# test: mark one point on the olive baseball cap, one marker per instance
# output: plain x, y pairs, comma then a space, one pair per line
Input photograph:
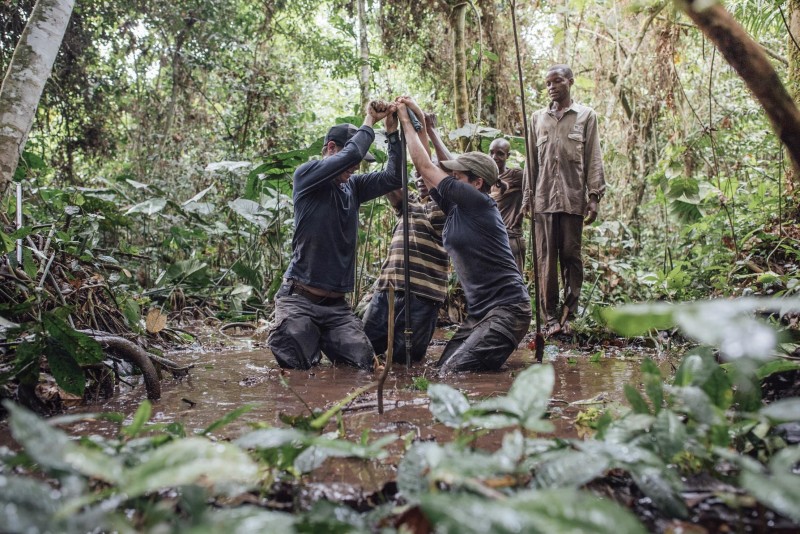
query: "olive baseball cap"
341, 134
478, 163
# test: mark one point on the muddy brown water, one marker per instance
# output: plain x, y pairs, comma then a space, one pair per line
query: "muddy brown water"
223, 380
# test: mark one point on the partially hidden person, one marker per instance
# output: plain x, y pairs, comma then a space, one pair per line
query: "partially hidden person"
507, 192
312, 316
428, 268
475, 238
569, 180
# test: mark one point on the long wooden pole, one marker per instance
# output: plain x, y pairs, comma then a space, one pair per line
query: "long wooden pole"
529, 165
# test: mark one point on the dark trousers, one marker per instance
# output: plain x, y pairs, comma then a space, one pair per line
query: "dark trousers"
423, 322
304, 329
486, 344
518, 250
558, 243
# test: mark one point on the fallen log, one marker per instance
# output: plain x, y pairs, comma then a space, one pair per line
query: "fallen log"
133, 353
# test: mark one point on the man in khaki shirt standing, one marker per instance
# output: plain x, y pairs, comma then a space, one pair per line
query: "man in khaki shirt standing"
568, 172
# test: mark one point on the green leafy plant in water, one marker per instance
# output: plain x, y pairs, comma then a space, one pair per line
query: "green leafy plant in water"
65, 350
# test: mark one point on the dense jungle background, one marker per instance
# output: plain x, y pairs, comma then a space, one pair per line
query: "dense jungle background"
155, 186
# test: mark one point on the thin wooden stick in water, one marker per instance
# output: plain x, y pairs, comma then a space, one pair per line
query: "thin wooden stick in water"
389, 349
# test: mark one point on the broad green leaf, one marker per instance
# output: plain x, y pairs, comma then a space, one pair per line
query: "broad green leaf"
201, 194
27, 505
190, 461
248, 274
413, 469
696, 403
271, 438
623, 431
780, 489
545, 511
525, 404
68, 374
570, 468
783, 411
331, 518
251, 211
776, 366
638, 319
6, 243
664, 490
53, 450
635, 399
188, 271
324, 447
245, 520
669, 434
63, 337
683, 186
448, 405
148, 207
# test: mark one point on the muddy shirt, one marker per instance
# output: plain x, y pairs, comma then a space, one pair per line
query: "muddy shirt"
567, 161
326, 212
427, 260
510, 202
476, 240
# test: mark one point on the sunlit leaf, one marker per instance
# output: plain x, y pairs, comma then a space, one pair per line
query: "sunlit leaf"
638, 319
270, 438
780, 488
561, 510
26, 505
570, 468
148, 207
664, 490
53, 450
635, 399
669, 434
190, 461
245, 520
448, 405
783, 410
199, 195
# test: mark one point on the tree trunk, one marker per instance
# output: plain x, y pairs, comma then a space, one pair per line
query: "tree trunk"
24, 81
460, 93
500, 101
792, 176
751, 63
363, 45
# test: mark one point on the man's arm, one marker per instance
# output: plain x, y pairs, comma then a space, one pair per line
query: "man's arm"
441, 151
595, 174
430, 173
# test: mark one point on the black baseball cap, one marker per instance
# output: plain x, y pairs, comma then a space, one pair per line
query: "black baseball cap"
341, 134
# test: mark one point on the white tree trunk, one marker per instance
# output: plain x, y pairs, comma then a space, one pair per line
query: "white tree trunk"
24, 81
363, 45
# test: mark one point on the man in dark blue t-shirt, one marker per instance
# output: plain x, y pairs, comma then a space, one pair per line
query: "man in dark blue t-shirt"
498, 305
311, 314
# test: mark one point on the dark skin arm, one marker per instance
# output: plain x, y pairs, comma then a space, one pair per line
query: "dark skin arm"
591, 210
441, 151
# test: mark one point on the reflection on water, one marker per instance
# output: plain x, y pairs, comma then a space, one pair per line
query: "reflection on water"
223, 381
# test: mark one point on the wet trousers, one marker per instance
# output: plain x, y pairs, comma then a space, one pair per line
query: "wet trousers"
558, 244
303, 329
518, 250
485, 344
423, 322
